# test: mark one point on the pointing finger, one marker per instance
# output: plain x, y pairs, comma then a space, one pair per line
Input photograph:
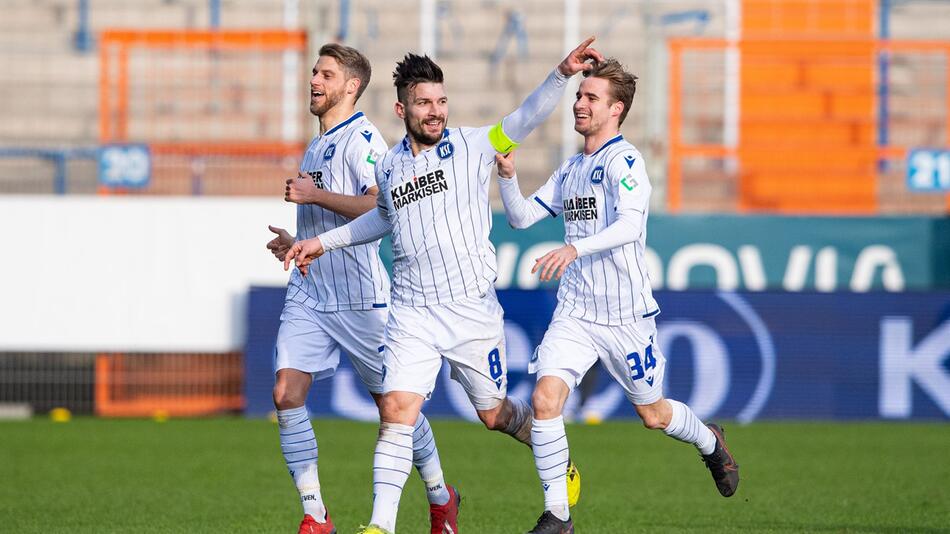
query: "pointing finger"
585, 44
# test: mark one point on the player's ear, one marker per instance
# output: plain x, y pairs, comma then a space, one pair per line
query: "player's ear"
353, 85
616, 109
400, 110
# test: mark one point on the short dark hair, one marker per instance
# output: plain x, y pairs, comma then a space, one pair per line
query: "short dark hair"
355, 64
622, 84
413, 70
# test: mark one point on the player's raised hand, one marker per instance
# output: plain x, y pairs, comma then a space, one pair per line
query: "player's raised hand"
301, 190
553, 264
280, 244
576, 61
506, 164
303, 253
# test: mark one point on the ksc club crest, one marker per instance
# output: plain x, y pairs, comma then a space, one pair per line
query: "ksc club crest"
597, 175
328, 154
445, 149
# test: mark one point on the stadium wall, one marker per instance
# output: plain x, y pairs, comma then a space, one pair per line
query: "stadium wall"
126, 274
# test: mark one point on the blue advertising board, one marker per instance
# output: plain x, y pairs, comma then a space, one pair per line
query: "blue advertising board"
125, 165
734, 355
928, 170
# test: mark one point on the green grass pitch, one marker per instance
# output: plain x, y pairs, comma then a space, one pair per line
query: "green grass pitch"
227, 475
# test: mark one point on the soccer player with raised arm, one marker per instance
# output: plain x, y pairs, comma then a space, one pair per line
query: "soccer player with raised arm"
342, 303
605, 305
433, 198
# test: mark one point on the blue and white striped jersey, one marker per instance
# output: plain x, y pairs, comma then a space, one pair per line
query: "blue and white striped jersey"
437, 204
341, 160
610, 287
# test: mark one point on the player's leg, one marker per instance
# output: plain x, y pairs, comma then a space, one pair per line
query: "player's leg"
471, 335
639, 366
562, 359
550, 447
411, 366
361, 334
678, 421
496, 410
392, 460
303, 351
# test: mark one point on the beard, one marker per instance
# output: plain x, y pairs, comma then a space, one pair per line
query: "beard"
330, 99
589, 127
418, 133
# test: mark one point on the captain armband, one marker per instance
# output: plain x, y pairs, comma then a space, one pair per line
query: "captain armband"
499, 139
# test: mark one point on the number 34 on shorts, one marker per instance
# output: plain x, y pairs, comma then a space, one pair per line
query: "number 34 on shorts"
639, 368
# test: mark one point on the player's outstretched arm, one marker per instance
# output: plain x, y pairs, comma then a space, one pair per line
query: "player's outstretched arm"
280, 244
626, 229
302, 190
302, 253
369, 226
514, 128
520, 212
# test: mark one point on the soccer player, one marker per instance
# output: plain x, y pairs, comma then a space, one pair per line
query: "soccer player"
342, 304
605, 304
434, 200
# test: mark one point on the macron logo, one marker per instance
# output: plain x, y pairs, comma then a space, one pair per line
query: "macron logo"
630, 160
367, 135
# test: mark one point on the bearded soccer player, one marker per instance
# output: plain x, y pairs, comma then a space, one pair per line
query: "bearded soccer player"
342, 303
605, 304
434, 200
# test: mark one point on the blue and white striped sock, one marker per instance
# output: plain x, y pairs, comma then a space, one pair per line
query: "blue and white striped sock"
391, 465
425, 456
549, 444
299, 446
685, 426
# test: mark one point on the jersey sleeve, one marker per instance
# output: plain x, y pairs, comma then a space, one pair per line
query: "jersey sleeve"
548, 196
627, 176
381, 172
368, 227
520, 212
505, 135
368, 147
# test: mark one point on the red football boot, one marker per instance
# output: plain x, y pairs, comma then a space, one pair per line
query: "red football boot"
309, 525
445, 517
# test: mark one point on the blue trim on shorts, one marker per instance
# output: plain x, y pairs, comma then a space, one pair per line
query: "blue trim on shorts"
651, 314
380, 305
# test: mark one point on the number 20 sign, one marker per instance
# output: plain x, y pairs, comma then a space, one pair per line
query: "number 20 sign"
124, 165
928, 170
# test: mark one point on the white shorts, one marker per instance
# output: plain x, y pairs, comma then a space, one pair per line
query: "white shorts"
468, 333
628, 352
311, 341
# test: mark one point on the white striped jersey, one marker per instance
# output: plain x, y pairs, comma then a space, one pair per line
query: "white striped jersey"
341, 160
437, 204
611, 287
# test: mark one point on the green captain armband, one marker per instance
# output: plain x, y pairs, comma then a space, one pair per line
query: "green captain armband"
499, 140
